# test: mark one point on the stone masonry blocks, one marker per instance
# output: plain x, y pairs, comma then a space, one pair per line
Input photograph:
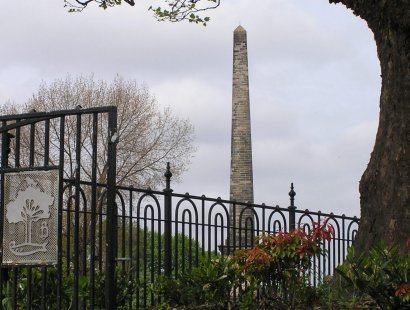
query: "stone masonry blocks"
241, 183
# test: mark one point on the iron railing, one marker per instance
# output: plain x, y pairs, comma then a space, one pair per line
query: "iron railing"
166, 233
115, 241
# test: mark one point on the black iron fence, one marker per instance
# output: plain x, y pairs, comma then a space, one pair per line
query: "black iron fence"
165, 233
113, 242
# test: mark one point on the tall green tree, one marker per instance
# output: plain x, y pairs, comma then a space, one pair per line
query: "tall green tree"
385, 184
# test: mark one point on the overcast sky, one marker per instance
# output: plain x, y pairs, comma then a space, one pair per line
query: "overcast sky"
314, 85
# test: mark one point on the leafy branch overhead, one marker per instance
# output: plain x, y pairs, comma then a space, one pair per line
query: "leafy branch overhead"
173, 11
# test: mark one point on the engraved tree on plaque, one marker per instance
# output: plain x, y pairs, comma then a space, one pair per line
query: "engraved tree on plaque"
30, 205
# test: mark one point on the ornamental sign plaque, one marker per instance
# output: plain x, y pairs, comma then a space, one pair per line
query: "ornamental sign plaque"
30, 218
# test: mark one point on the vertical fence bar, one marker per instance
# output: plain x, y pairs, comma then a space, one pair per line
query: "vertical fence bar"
137, 255
176, 258
100, 231
292, 209
203, 224
145, 257
321, 260
93, 208
60, 214
343, 238
9, 136
84, 227
111, 247
32, 143
46, 163
263, 218
14, 289
43, 288
152, 258
46, 142
234, 230
5, 152
168, 223
3, 166
130, 240
17, 147
29, 293
77, 176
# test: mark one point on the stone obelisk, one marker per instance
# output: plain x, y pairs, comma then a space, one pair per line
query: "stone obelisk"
241, 187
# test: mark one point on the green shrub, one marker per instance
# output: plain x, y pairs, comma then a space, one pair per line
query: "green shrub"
268, 276
337, 293
383, 274
206, 287
272, 274
126, 286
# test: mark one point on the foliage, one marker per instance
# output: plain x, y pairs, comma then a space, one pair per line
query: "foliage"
174, 11
125, 284
179, 10
149, 248
129, 283
337, 293
150, 253
383, 274
271, 274
207, 287
187, 252
126, 287
275, 266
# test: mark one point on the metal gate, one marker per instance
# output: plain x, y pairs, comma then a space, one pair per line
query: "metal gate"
58, 226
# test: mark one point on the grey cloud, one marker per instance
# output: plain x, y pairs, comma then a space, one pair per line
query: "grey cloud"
314, 80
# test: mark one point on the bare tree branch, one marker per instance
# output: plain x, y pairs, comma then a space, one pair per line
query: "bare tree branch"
148, 137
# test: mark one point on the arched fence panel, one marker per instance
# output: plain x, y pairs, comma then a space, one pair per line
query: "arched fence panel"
201, 228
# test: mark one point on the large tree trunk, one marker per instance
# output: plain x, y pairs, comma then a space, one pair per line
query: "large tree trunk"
385, 185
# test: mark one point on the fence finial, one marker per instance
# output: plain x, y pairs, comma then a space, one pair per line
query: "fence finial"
168, 175
292, 195
292, 208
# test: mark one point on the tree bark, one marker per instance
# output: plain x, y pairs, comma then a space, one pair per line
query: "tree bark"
385, 184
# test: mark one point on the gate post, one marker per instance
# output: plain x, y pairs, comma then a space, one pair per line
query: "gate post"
168, 223
111, 230
5, 152
292, 209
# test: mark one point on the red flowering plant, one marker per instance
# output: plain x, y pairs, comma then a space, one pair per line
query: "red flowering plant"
274, 267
